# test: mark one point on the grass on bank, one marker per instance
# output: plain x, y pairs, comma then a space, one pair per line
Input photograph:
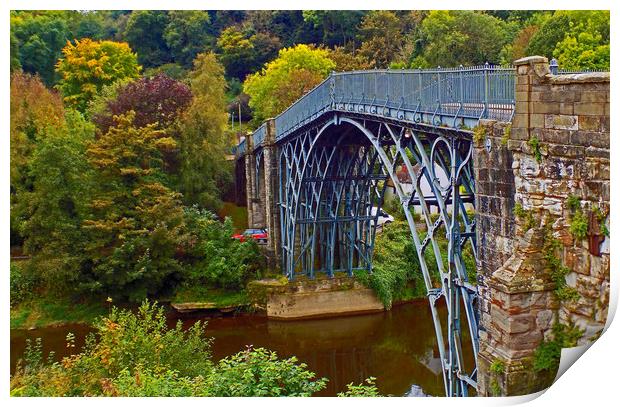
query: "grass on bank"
219, 297
41, 312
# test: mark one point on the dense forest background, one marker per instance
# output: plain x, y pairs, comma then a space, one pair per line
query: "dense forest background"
120, 123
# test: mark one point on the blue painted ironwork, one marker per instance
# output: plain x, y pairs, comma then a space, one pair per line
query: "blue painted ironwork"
447, 97
240, 149
340, 145
258, 137
331, 176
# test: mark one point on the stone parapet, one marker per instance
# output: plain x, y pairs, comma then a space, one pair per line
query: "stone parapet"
544, 172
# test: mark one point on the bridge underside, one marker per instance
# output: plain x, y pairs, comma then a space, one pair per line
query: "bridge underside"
334, 176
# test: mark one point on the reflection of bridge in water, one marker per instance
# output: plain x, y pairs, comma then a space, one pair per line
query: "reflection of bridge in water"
315, 172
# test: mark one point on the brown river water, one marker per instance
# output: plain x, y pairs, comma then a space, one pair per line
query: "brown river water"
398, 347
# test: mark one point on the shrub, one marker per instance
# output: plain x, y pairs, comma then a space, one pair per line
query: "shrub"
547, 355
137, 355
396, 268
259, 373
367, 389
22, 284
219, 260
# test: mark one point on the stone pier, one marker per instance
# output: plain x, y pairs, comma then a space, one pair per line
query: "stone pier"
540, 179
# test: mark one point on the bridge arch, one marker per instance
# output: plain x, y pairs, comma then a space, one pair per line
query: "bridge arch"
334, 173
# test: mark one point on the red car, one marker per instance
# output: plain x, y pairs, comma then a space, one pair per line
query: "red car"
260, 235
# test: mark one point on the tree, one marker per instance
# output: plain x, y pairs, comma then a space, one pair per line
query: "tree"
136, 224
242, 52
55, 208
159, 100
282, 81
339, 27
15, 62
89, 65
236, 52
204, 173
39, 38
34, 111
579, 39
145, 34
346, 61
460, 37
382, 37
187, 34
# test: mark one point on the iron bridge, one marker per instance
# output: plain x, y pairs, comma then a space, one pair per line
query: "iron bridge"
341, 146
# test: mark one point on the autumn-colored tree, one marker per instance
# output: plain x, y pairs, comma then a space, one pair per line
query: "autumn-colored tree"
204, 173
296, 71
34, 109
89, 65
382, 37
34, 112
136, 223
347, 61
158, 100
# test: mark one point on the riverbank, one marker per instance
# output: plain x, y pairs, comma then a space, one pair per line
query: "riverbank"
43, 312
397, 346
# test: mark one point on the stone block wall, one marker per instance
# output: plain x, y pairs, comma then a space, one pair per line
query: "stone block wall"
262, 193
551, 164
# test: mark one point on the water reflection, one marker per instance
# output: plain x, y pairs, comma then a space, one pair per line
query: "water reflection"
397, 347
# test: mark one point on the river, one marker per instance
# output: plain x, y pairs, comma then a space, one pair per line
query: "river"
398, 347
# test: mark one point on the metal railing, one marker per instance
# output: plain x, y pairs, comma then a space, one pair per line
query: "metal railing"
240, 148
555, 69
258, 137
441, 97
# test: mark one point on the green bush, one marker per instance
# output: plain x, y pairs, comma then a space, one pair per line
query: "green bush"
217, 259
22, 283
137, 355
367, 389
396, 269
259, 373
547, 355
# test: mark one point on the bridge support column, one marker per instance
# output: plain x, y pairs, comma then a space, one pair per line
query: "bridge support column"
256, 211
271, 193
532, 178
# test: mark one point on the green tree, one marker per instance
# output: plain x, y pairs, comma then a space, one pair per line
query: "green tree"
187, 34
57, 205
136, 224
15, 62
578, 39
382, 37
242, 52
34, 111
339, 27
145, 34
138, 355
460, 37
87, 66
39, 37
203, 145
219, 261
236, 52
282, 81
